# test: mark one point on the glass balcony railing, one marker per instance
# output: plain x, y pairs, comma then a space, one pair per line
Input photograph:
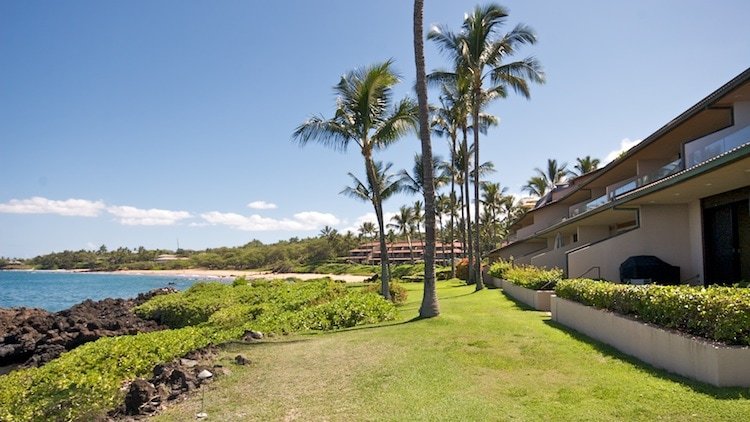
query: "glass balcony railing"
702, 150
596, 203
664, 171
696, 152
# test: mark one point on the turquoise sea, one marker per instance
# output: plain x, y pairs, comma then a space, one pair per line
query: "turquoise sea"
55, 291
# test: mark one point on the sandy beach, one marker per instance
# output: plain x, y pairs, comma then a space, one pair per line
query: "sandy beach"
199, 272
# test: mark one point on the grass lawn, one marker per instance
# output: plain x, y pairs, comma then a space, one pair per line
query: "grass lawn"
484, 358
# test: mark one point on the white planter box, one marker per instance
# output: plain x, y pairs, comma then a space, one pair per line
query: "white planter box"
712, 363
537, 299
492, 281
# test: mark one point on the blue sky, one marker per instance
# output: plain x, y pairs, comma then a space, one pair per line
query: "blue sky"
152, 122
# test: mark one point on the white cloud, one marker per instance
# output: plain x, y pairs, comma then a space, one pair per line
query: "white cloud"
262, 205
39, 205
131, 216
308, 220
625, 145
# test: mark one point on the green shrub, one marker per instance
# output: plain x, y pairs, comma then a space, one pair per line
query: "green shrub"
356, 308
85, 382
716, 313
196, 304
398, 292
499, 268
534, 278
239, 281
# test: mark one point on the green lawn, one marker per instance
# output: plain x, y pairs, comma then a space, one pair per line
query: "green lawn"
484, 358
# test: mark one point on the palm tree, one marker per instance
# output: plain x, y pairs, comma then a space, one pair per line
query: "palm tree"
546, 180
367, 229
403, 223
447, 120
429, 307
419, 216
444, 205
586, 165
386, 185
364, 116
478, 52
414, 182
536, 186
493, 197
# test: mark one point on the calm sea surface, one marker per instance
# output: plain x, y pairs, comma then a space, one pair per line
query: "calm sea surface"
55, 291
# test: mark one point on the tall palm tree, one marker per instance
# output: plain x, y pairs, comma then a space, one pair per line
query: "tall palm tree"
364, 116
447, 120
586, 165
480, 52
403, 223
429, 307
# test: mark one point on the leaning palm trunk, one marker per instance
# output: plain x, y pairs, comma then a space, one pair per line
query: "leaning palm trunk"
429, 307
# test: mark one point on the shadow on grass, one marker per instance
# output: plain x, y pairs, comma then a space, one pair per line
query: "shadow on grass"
517, 303
721, 393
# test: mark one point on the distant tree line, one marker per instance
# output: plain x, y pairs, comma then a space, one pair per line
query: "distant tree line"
284, 255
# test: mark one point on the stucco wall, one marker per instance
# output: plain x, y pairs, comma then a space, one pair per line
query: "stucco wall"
544, 218
521, 252
664, 232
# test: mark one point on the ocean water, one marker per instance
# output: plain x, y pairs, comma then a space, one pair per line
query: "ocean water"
55, 291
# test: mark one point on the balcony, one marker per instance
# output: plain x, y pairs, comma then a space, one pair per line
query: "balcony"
596, 203
705, 148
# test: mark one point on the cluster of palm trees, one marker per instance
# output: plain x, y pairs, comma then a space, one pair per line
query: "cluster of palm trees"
498, 209
480, 72
544, 181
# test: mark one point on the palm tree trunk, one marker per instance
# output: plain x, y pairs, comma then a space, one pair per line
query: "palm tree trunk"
467, 204
378, 205
429, 307
478, 245
453, 204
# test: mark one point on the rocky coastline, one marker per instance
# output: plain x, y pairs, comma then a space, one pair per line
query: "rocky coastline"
32, 337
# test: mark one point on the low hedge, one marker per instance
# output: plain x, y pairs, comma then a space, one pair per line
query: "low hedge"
527, 276
716, 313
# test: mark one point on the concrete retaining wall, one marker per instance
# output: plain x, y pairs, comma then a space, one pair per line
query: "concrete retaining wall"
537, 299
719, 365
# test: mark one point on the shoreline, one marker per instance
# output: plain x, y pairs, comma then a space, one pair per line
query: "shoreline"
248, 274
214, 274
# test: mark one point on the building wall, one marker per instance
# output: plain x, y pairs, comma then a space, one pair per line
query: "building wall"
665, 232
695, 227
544, 218
520, 252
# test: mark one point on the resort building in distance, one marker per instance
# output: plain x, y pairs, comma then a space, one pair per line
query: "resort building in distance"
681, 195
401, 253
